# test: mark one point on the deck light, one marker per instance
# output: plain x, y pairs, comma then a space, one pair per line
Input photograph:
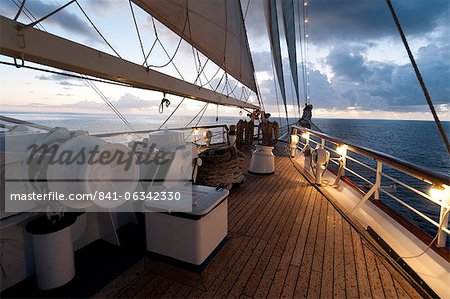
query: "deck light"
294, 141
438, 192
195, 132
305, 135
342, 150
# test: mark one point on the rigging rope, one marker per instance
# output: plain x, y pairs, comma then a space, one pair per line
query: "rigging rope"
96, 29
20, 10
65, 74
419, 76
29, 15
50, 14
293, 99
172, 113
164, 102
84, 77
276, 94
204, 107
171, 58
201, 116
306, 44
302, 39
138, 33
113, 108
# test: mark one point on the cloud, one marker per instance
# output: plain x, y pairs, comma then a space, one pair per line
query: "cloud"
347, 62
126, 103
61, 80
105, 7
343, 20
381, 84
262, 61
130, 101
63, 19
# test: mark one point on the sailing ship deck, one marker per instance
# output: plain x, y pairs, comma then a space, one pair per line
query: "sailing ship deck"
285, 239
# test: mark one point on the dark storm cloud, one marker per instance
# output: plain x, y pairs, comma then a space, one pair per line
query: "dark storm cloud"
371, 83
349, 29
334, 21
346, 20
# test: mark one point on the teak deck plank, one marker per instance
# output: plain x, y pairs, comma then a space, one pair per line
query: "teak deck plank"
301, 289
351, 282
361, 269
315, 280
285, 240
326, 290
339, 269
374, 276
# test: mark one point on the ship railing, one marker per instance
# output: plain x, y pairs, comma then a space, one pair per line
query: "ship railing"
418, 192
192, 134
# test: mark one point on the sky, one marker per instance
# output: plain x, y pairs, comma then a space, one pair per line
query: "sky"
357, 64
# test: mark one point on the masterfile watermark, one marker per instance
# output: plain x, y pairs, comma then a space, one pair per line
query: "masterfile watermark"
60, 170
103, 196
146, 155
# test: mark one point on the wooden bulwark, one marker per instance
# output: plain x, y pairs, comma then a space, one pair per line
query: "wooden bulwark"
285, 240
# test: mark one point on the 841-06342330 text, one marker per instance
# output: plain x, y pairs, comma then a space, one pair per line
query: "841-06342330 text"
102, 196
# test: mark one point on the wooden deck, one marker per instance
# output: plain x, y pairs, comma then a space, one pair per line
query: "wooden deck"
285, 240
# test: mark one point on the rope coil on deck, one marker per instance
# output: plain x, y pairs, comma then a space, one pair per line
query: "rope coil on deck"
221, 166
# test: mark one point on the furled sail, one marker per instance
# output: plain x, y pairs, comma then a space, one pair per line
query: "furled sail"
214, 27
289, 28
274, 36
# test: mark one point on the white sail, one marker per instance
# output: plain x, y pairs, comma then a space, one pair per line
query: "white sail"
274, 36
214, 27
289, 28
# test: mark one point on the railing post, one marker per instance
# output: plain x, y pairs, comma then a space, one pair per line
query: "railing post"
374, 190
323, 142
223, 135
443, 220
378, 180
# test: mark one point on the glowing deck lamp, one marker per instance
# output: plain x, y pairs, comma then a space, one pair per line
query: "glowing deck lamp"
294, 141
342, 150
305, 135
195, 131
439, 193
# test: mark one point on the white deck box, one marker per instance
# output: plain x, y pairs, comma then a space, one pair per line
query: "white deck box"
190, 237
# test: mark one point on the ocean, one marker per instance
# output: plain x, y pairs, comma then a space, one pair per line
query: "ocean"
417, 142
